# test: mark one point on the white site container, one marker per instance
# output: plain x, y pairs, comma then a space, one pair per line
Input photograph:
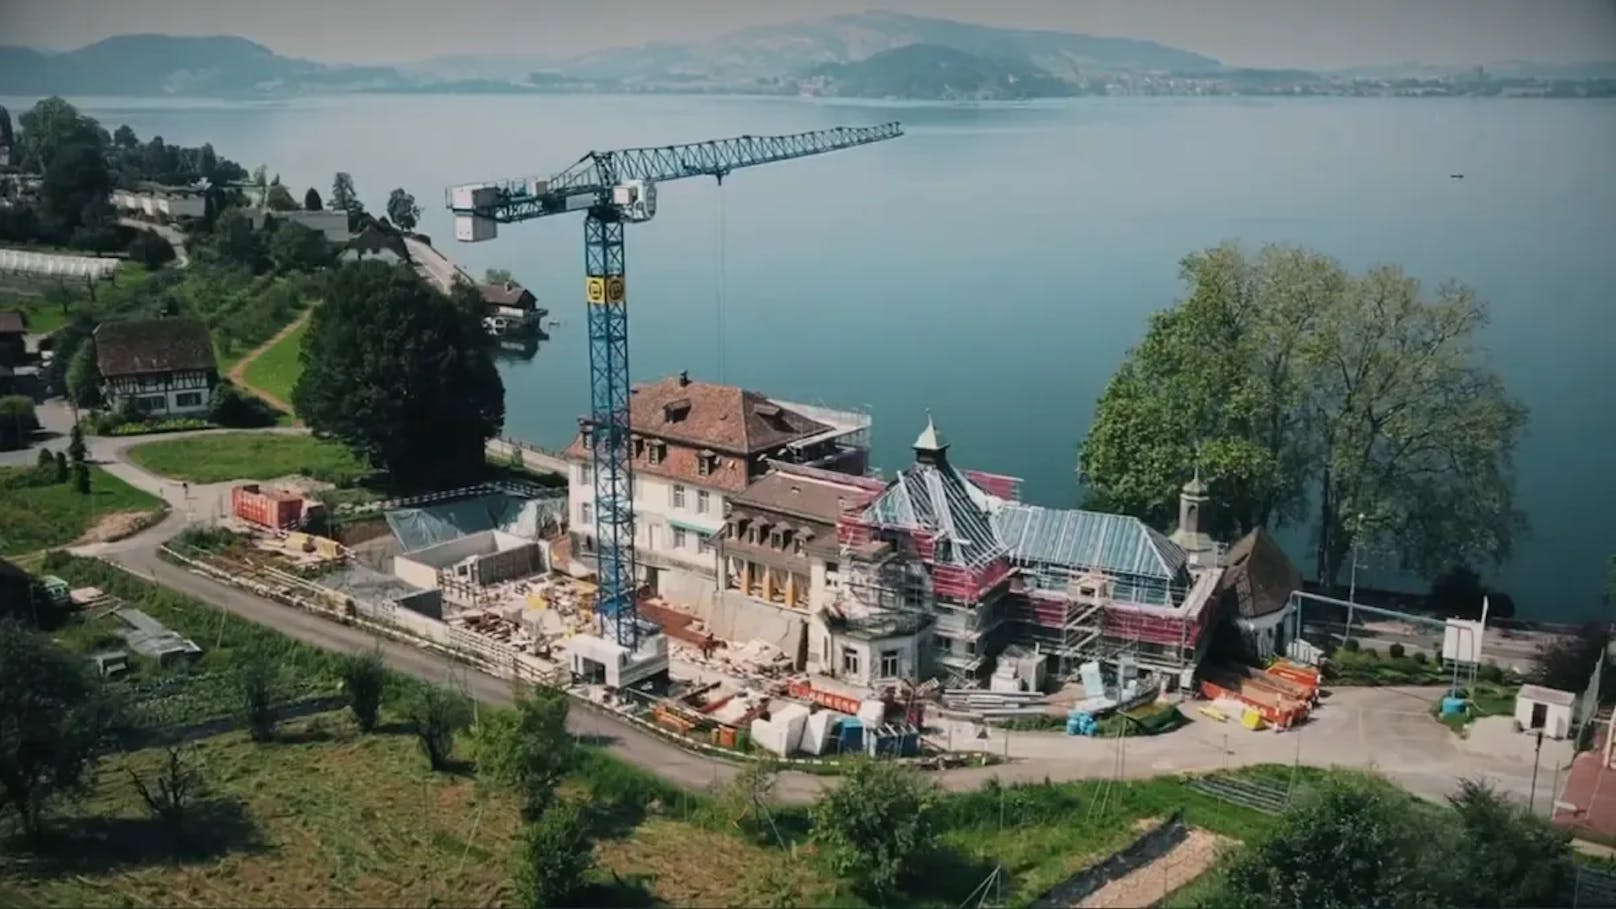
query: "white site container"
473, 229
872, 712
472, 195
817, 732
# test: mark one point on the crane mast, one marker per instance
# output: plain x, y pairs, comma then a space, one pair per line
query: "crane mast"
614, 189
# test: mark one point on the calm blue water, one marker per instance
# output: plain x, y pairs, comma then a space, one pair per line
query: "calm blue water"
994, 264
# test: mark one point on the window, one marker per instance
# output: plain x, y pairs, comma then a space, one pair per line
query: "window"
679, 538
639, 446
850, 661
704, 543
889, 664
659, 450
796, 546
703, 500
825, 650
188, 399
584, 473
945, 552
704, 464
774, 539
584, 516
677, 496
150, 403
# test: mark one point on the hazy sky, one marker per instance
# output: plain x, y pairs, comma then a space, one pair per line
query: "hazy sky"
1304, 33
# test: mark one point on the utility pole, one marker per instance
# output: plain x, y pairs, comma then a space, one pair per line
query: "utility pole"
1531, 798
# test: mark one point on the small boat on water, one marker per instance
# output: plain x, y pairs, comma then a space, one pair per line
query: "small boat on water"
1455, 176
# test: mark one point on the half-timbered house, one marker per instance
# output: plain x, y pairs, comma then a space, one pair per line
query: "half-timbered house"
164, 365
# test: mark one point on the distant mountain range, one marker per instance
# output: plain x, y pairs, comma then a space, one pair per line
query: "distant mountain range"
875, 54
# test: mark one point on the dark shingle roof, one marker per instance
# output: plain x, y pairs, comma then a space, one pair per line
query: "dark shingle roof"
506, 294
1259, 575
12, 323
152, 346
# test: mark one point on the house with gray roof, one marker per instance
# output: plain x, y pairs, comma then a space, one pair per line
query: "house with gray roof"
983, 570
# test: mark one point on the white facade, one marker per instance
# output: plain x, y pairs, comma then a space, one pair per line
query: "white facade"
151, 204
1265, 634
332, 224
1548, 709
870, 662
168, 394
676, 525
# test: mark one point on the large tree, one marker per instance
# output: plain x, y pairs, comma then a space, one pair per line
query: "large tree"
343, 197
402, 210
294, 247
54, 719
1303, 392
53, 125
402, 375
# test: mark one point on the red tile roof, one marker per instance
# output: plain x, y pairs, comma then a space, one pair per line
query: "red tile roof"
732, 423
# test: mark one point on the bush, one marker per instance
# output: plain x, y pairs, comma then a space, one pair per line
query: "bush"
1491, 672
17, 421
876, 824
1421, 657
436, 715
1396, 651
237, 409
552, 857
150, 250
1351, 645
363, 677
256, 682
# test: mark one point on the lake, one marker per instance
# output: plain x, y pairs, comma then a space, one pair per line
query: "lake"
995, 264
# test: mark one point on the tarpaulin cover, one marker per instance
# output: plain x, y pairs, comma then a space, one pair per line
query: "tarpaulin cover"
418, 528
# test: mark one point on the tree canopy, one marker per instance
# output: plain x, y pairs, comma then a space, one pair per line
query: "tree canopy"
1356, 841
401, 375
343, 197
876, 823
55, 717
402, 210
311, 200
1302, 392
529, 750
294, 247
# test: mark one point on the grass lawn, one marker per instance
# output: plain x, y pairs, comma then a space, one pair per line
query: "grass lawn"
276, 369
326, 816
248, 456
43, 316
37, 517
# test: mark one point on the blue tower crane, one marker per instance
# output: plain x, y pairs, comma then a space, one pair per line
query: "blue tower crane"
614, 188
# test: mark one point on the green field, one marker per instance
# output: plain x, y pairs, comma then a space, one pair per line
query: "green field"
324, 815
275, 371
42, 315
38, 517
248, 456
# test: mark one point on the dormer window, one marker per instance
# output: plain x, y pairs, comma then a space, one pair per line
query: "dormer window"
639, 444
675, 411
659, 451
706, 462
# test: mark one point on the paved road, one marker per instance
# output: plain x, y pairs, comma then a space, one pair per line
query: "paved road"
174, 237
1388, 729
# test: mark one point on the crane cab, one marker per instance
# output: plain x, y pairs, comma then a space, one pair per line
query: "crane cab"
635, 199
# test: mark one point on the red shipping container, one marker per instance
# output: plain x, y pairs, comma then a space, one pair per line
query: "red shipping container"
276, 510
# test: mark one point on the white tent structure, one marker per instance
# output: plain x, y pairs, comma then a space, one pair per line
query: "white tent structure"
55, 265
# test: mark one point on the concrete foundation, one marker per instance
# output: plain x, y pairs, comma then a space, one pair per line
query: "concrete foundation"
604, 661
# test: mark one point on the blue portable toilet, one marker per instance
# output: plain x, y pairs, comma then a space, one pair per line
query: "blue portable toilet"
1080, 723
851, 735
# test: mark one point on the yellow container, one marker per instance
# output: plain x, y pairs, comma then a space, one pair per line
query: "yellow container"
1251, 719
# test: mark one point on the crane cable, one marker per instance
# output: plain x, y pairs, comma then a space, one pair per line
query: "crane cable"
719, 274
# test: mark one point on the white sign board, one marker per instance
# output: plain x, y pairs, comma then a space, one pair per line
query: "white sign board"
1461, 641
